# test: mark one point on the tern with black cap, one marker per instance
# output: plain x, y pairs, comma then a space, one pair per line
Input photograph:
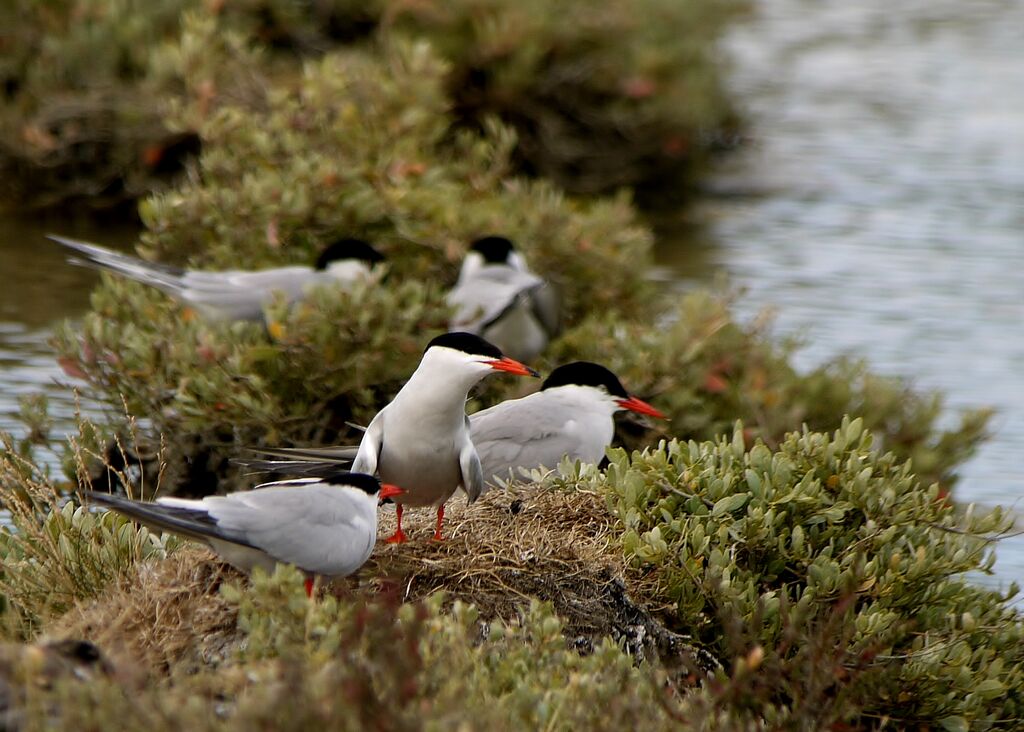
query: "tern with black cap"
571, 416
235, 294
324, 525
497, 297
420, 441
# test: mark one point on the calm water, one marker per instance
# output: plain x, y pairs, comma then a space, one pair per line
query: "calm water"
879, 209
40, 289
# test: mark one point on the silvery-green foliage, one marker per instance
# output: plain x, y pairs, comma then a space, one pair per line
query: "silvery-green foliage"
827, 524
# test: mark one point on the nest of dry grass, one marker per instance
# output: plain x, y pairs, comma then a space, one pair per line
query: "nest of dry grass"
509, 547
167, 614
530, 542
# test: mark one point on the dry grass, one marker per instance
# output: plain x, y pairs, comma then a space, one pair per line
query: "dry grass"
165, 614
511, 546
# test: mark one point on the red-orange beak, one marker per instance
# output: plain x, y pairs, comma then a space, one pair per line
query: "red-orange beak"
511, 366
638, 405
389, 491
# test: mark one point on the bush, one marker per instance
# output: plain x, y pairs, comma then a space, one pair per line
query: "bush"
83, 113
828, 534
358, 146
55, 552
626, 95
372, 664
826, 578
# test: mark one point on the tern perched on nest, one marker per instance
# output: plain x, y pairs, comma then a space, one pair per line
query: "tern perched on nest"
571, 416
420, 441
235, 294
497, 297
323, 525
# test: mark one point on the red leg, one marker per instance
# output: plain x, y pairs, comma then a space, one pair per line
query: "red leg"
399, 536
440, 520
309, 587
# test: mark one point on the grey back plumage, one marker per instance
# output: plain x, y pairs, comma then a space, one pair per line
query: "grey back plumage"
541, 429
217, 295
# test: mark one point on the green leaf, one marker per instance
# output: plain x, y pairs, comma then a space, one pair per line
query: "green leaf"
990, 688
954, 724
730, 504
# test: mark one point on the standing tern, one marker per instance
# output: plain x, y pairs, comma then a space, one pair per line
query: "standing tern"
323, 525
497, 297
420, 441
235, 294
571, 416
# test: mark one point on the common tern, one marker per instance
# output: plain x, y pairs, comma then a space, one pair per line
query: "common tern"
235, 294
571, 416
323, 525
497, 297
420, 440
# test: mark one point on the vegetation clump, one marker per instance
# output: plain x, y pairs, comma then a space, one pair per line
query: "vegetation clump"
826, 532
600, 98
625, 94
815, 585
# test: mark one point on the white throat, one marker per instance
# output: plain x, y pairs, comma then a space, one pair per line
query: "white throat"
348, 270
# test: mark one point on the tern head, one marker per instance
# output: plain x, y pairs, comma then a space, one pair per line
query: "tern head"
348, 258
595, 376
492, 250
468, 353
368, 484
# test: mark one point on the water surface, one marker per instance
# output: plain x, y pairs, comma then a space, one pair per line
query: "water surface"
880, 205
40, 289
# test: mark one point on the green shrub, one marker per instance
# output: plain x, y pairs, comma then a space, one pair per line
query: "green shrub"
829, 533
54, 552
341, 664
621, 94
706, 370
82, 117
603, 98
357, 145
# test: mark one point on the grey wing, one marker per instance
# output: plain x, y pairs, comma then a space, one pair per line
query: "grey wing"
187, 518
547, 307
163, 276
317, 528
240, 294
514, 435
472, 472
370, 446
483, 298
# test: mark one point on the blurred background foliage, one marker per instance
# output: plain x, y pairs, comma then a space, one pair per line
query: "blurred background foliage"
600, 98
